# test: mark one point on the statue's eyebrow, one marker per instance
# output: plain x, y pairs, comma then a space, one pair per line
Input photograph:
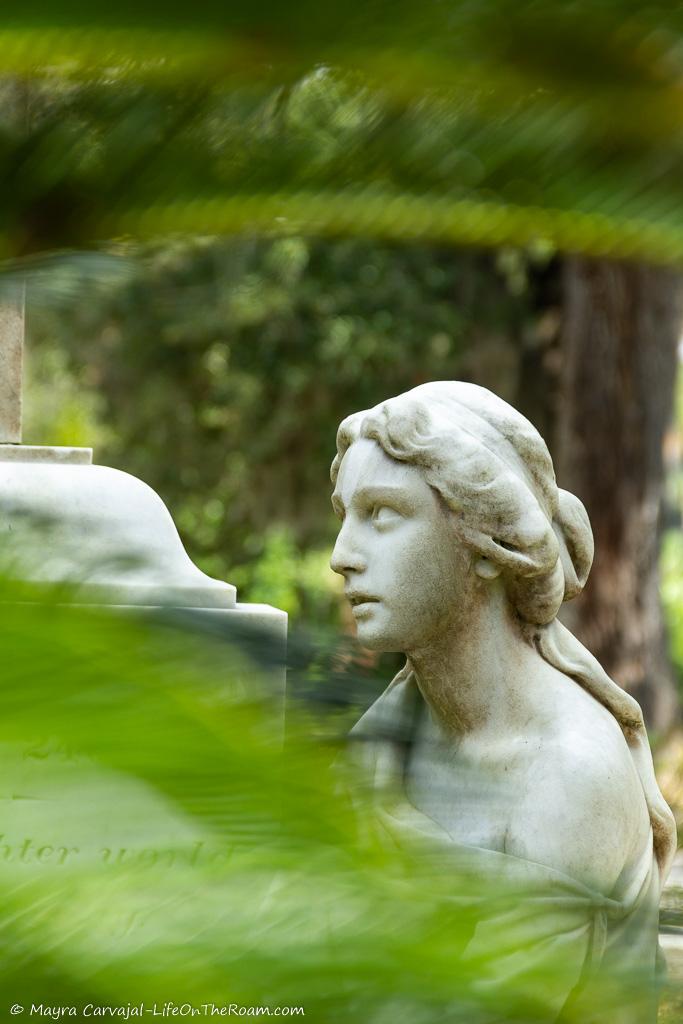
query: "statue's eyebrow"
368, 495
380, 492
377, 494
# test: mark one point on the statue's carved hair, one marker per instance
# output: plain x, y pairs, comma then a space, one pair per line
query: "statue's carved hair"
494, 471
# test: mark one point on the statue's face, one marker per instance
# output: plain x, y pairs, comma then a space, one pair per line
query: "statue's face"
407, 575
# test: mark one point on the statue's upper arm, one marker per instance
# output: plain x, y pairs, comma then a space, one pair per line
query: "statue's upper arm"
583, 813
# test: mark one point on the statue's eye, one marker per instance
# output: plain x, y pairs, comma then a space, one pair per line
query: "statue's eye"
384, 515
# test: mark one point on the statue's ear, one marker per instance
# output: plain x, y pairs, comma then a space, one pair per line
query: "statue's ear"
485, 568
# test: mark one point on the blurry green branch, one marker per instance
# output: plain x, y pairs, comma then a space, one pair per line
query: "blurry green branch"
396, 216
476, 122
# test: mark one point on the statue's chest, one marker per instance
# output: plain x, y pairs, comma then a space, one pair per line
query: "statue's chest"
469, 791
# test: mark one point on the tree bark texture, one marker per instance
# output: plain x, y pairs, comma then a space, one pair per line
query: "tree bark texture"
621, 328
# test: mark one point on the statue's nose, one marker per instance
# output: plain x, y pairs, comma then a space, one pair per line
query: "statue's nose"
347, 555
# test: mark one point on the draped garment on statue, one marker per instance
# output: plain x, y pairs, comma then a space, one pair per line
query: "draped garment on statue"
587, 955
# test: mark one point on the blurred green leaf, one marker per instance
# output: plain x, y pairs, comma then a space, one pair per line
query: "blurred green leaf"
479, 122
158, 843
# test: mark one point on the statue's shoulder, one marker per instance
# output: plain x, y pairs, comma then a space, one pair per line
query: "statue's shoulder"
582, 809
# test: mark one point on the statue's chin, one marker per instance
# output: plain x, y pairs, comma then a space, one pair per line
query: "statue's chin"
376, 628
377, 640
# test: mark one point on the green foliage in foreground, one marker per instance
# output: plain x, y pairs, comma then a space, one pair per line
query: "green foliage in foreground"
483, 122
159, 844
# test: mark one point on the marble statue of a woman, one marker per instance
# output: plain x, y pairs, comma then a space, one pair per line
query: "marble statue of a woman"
502, 733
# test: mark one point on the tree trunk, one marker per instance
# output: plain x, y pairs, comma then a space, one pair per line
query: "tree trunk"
621, 326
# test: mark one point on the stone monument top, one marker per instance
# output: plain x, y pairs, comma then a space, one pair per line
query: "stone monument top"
103, 531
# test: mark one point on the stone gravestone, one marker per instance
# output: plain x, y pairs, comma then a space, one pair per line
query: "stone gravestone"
502, 739
109, 542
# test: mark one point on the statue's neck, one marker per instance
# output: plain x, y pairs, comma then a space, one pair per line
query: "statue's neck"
478, 677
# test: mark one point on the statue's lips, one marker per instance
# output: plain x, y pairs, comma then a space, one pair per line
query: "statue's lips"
361, 602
